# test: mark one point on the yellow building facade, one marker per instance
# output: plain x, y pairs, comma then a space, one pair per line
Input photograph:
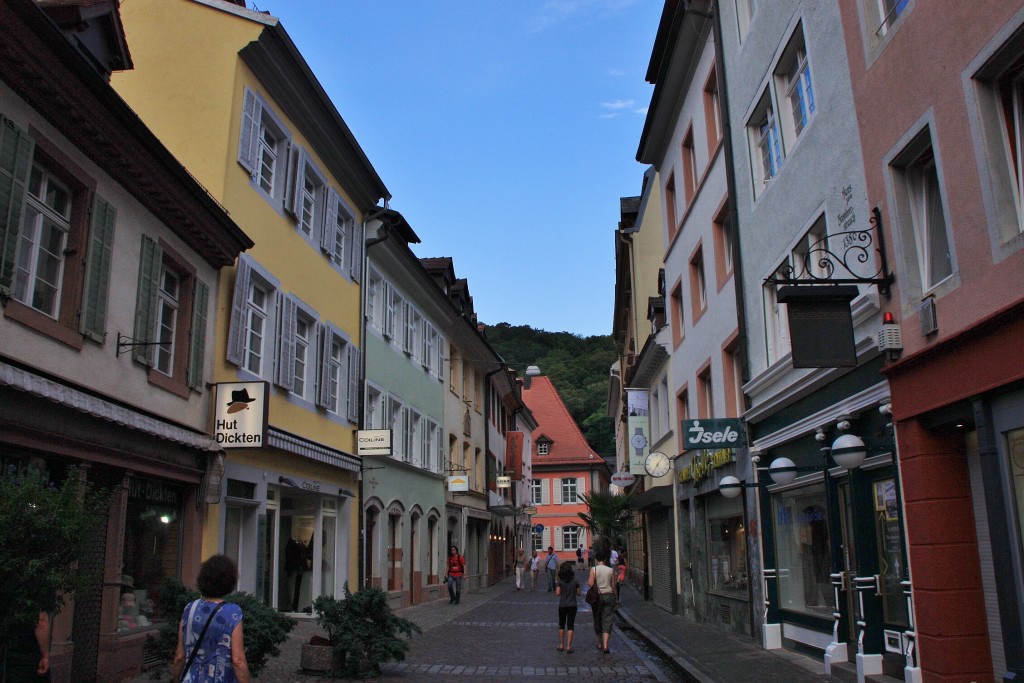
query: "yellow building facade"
230, 95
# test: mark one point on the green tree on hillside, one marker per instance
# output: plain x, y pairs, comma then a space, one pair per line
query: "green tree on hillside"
577, 366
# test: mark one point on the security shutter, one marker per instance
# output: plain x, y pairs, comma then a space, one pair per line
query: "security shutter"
93, 322
662, 567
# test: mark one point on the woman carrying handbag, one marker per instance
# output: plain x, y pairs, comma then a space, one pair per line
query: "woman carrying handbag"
211, 630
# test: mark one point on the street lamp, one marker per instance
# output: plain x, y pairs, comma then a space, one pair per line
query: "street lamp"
848, 451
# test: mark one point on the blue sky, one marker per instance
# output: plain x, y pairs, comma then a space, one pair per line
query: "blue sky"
506, 132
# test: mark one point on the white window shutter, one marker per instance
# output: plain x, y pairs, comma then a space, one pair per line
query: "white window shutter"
252, 113
581, 483
285, 374
295, 173
239, 305
545, 492
583, 537
330, 223
558, 538
326, 341
546, 538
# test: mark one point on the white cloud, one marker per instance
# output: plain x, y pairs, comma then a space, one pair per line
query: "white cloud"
616, 72
556, 11
618, 104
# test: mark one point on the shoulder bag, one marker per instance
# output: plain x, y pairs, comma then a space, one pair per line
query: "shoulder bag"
195, 646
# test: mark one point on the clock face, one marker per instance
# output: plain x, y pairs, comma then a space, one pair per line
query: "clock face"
639, 441
657, 464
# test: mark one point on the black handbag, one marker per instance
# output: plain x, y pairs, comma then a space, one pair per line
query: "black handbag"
195, 646
593, 595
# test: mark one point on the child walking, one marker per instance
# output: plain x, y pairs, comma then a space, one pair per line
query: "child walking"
566, 590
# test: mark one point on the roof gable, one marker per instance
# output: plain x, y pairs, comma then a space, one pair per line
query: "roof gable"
555, 424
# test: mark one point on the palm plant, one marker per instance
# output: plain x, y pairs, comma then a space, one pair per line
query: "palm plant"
609, 516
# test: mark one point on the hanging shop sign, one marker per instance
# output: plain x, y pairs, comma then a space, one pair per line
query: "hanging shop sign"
623, 479
712, 433
637, 428
373, 442
820, 325
458, 482
240, 417
529, 510
504, 482
704, 463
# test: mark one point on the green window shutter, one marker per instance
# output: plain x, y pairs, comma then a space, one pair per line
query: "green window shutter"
145, 307
197, 338
93, 322
16, 149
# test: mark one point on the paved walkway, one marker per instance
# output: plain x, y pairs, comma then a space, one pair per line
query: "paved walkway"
501, 635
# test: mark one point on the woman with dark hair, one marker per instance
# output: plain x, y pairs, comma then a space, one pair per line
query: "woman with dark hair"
566, 590
603, 577
211, 646
456, 570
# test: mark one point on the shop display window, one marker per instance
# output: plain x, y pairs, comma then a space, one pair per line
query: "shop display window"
803, 556
152, 550
727, 549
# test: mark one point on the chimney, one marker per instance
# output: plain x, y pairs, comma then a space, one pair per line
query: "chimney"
531, 372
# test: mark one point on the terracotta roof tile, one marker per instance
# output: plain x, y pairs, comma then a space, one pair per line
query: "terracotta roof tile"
568, 444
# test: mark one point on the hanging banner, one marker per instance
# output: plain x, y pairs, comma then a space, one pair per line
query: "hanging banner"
458, 482
637, 428
373, 442
504, 482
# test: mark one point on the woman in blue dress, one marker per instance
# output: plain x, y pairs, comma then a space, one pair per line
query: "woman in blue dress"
220, 658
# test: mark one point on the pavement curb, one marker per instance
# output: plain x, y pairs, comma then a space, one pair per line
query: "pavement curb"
668, 650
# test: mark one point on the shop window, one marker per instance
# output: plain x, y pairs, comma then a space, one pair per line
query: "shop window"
802, 552
888, 532
727, 551
152, 550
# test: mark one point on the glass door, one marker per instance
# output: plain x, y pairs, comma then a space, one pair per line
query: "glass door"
849, 562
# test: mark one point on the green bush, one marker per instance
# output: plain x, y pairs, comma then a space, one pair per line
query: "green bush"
265, 628
363, 630
46, 531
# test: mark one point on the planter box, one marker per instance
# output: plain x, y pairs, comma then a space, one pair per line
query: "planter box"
319, 658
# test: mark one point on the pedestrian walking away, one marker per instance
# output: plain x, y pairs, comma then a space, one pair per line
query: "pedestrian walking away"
568, 590
590, 556
622, 570
456, 570
534, 568
603, 577
551, 566
211, 645
519, 561
579, 556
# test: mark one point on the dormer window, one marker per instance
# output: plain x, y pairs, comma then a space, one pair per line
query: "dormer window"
543, 447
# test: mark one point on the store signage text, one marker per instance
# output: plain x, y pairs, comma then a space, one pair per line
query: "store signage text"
704, 462
373, 442
240, 420
709, 433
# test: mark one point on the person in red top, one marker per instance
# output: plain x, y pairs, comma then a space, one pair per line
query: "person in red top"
456, 570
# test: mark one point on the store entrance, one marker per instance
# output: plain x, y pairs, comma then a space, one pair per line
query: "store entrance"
298, 551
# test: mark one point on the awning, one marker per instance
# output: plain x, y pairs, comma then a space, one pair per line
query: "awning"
651, 499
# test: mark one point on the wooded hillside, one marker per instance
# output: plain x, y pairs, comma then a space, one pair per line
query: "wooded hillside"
577, 366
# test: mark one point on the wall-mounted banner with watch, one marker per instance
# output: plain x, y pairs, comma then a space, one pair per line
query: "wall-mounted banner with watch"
638, 426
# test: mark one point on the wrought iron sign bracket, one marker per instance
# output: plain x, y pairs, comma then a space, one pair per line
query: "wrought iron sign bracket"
124, 342
824, 265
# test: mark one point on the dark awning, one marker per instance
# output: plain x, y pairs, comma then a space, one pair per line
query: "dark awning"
657, 497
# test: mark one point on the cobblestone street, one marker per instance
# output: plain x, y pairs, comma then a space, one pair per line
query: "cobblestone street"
496, 635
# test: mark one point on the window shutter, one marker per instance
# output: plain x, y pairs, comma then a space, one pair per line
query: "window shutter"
93, 321
145, 306
358, 244
330, 228
197, 337
545, 542
583, 537
545, 492
558, 493
295, 179
439, 348
580, 489
252, 114
354, 366
323, 392
239, 304
16, 150
558, 537
285, 375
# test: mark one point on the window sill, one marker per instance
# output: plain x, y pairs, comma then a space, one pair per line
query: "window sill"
177, 387
29, 317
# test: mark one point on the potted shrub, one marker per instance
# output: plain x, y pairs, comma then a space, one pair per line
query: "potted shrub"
362, 634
